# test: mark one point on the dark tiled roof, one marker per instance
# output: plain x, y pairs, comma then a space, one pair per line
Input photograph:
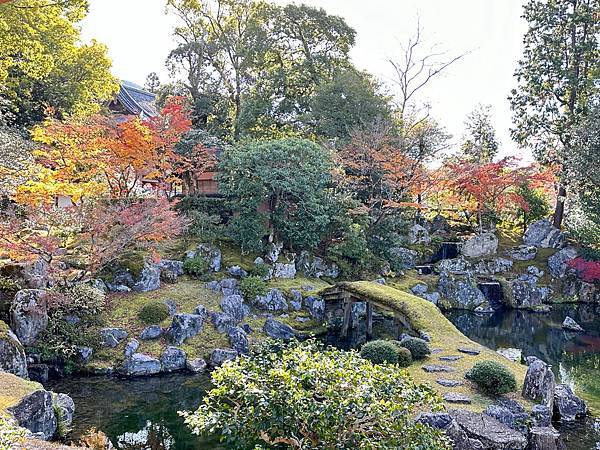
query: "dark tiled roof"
136, 100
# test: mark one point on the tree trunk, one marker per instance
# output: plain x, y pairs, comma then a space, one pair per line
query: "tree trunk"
559, 211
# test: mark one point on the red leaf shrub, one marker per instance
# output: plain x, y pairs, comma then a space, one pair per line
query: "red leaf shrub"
588, 271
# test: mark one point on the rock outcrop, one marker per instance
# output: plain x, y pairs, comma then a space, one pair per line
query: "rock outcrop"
543, 234
539, 382
567, 406
184, 326
12, 354
36, 413
29, 315
483, 244
557, 263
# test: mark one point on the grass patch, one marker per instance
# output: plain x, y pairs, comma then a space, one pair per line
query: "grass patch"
231, 256
422, 315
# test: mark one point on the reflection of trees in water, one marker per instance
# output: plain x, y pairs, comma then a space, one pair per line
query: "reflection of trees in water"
154, 436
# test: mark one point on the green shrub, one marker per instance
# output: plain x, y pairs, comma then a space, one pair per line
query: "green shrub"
196, 266
404, 357
312, 396
252, 287
11, 434
85, 300
153, 312
380, 351
418, 347
493, 378
260, 270
8, 285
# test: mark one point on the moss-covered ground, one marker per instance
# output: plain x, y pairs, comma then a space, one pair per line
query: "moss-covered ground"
445, 339
13, 389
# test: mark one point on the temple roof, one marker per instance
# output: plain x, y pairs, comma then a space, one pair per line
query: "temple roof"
136, 100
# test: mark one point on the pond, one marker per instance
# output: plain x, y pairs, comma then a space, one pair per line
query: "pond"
138, 414
575, 357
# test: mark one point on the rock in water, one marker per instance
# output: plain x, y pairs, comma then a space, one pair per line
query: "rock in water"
480, 245
539, 382
278, 330
543, 234
569, 324
489, 432
172, 359
64, 407
141, 365
567, 406
196, 365
36, 413
12, 354
28, 315
545, 438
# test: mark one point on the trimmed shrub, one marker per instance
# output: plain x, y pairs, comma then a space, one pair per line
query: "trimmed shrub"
404, 357
195, 267
153, 312
252, 287
260, 270
418, 347
380, 352
493, 378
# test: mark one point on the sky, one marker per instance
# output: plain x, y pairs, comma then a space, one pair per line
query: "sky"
138, 35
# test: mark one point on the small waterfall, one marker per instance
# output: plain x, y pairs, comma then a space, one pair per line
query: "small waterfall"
447, 250
492, 291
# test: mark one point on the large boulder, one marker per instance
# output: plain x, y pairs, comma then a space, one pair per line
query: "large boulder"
418, 234
220, 355
401, 258
539, 382
284, 271
483, 244
316, 267
489, 432
111, 337
523, 252
526, 295
223, 322
184, 326
461, 293
172, 359
12, 354
316, 307
64, 408
234, 306
557, 263
238, 340
29, 315
567, 406
32, 275
545, 438
210, 253
456, 266
141, 365
35, 412
543, 234
149, 279
446, 423
278, 330
272, 301
176, 267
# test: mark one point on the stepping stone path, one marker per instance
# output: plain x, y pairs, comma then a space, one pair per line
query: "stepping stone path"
469, 351
452, 397
448, 383
438, 368
450, 358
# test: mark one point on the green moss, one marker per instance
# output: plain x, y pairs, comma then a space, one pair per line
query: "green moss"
287, 285
232, 256
133, 261
13, 389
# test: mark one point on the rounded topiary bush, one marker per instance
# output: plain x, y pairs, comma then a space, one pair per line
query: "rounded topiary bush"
493, 378
153, 312
418, 347
405, 358
380, 351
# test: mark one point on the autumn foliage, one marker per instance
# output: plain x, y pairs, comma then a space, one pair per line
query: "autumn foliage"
588, 271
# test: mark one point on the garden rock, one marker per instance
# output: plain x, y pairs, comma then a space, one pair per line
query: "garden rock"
315, 306
489, 432
12, 354
274, 252
151, 332
439, 224
545, 438
511, 417
230, 286
141, 365
149, 279
434, 297
28, 315
448, 383
512, 354
111, 337
316, 267
38, 372
171, 306
238, 340
172, 359
184, 326
435, 368
64, 408
278, 330
284, 271
237, 272
234, 306
446, 423
469, 351
223, 322
539, 382
220, 355
272, 301
569, 324
131, 348
541, 416
456, 398
567, 406
296, 301
35, 412
543, 234
557, 263
496, 265
84, 354
401, 258
176, 267
527, 295
460, 293
419, 289
483, 244
210, 253
196, 365
456, 266
523, 252
418, 235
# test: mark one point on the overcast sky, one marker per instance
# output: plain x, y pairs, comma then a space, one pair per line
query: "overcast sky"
138, 35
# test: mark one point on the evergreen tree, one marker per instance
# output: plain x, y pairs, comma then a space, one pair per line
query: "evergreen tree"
480, 145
